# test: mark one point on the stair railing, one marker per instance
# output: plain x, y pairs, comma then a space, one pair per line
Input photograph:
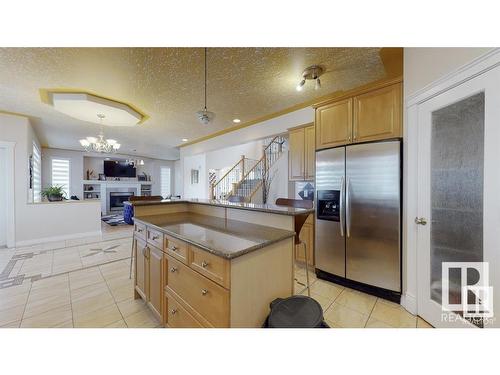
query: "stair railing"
255, 176
223, 188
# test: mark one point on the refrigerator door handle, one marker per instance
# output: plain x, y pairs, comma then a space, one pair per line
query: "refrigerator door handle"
348, 209
342, 188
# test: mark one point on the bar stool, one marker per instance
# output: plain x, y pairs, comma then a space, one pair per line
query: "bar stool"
299, 222
136, 199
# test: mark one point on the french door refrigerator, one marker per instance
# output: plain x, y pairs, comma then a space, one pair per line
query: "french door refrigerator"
358, 216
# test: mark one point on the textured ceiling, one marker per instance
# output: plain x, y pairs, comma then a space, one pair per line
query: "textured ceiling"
167, 84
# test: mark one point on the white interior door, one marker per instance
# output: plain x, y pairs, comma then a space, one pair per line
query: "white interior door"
3, 197
458, 194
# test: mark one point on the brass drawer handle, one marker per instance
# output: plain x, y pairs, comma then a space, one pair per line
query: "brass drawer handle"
204, 264
173, 248
173, 311
173, 269
204, 292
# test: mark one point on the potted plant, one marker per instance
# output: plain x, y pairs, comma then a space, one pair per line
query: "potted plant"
54, 193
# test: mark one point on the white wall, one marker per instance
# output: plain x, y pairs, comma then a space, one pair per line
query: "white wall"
3, 197
422, 66
178, 181
199, 190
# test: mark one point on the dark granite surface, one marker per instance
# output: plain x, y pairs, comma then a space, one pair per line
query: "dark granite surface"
226, 238
271, 208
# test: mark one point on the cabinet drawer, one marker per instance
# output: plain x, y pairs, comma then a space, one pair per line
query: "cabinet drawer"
177, 316
176, 248
155, 238
140, 230
209, 265
210, 300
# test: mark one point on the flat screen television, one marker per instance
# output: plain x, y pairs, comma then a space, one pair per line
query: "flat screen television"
118, 169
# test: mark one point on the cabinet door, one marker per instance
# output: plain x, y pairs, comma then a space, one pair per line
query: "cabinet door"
310, 152
296, 158
377, 114
334, 124
307, 236
141, 268
155, 281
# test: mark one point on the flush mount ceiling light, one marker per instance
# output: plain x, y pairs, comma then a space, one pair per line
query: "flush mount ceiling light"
184, 139
99, 143
205, 116
311, 73
83, 106
236, 120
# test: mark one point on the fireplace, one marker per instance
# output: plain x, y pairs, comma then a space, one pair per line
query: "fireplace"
116, 200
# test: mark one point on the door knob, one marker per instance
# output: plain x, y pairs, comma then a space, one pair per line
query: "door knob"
420, 220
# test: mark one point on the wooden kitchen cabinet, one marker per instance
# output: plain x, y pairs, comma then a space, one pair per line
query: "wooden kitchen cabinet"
371, 114
301, 161
306, 235
378, 115
296, 155
334, 124
310, 152
141, 269
156, 283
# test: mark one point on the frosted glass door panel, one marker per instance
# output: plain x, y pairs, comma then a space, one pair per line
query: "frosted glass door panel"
457, 153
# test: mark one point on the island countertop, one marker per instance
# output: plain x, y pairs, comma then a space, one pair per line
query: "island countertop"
269, 208
225, 238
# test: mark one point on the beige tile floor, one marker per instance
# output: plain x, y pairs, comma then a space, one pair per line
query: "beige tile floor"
101, 295
348, 308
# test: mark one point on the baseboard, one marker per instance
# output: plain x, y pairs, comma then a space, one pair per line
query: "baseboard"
57, 238
409, 302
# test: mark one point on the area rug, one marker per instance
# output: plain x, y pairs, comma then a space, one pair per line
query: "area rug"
113, 220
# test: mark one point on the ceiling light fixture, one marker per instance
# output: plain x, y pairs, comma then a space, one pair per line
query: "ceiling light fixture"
236, 120
184, 139
205, 116
311, 73
100, 144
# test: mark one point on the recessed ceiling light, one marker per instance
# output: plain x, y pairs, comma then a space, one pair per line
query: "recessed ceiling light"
184, 139
236, 120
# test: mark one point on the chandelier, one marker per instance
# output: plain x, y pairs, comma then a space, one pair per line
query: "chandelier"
100, 144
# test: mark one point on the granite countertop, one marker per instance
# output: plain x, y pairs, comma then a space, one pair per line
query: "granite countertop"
271, 208
226, 238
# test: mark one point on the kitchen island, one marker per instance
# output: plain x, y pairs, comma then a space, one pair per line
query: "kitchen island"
212, 263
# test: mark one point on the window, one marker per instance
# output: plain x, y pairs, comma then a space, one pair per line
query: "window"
37, 173
165, 181
60, 174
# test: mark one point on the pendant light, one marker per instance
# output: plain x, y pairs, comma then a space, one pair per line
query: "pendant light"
205, 116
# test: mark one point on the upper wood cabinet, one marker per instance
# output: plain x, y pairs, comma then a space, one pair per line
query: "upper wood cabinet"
301, 162
368, 115
334, 124
296, 158
377, 114
310, 153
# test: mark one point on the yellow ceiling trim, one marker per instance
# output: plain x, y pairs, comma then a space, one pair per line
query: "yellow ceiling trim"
310, 103
45, 98
18, 114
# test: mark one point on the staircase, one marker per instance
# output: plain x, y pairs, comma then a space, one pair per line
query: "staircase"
248, 176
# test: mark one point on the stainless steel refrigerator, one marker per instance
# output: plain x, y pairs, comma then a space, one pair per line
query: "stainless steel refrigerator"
358, 209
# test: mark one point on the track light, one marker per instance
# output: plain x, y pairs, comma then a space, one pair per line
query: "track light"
317, 86
300, 85
311, 73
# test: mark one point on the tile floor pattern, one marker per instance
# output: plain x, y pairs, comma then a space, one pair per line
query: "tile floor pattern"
97, 292
38, 261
